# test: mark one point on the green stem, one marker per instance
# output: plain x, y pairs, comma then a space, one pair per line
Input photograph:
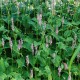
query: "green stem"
73, 57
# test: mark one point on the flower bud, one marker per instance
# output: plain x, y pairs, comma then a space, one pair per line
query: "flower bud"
62, 20
65, 66
78, 57
27, 60
12, 24
39, 18
3, 42
57, 30
36, 49
10, 43
31, 73
59, 71
20, 42
74, 41
50, 40
19, 45
32, 47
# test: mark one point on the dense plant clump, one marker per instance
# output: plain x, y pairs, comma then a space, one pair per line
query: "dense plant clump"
39, 40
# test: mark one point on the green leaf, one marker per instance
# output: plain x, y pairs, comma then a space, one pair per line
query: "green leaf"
20, 62
61, 45
57, 60
6, 63
2, 65
75, 69
16, 76
2, 76
32, 60
2, 28
69, 39
74, 56
48, 72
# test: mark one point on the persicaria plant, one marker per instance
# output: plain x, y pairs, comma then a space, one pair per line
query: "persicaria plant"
39, 40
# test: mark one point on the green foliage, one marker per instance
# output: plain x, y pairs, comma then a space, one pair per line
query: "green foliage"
39, 40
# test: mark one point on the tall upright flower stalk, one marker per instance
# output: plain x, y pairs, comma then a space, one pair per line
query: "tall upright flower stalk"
31, 73
3, 42
27, 60
59, 71
50, 41
32, 47
53, 2
47, 42
39, 18
20, 43
74, 41
57, 31
10, 43
12, 24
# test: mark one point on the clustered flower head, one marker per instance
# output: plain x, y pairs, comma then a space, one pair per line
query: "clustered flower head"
20, 42
57, 31
10, 43
39, 18
27, 60
59, 71
47, 44
3, 42
12, 25
31, 73
65, 66
44, 27
74, 41
34, 49
53, 6
62, 20
48, 41
78, 57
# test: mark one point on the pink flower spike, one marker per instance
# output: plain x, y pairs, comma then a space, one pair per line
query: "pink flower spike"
12, 25
19, 45
44, 27
65, 66
31, 73
3, 42
62, 20
57, 30
21, 41
47, 45
10, 43
36, 49
59, 71
39, 18
50, 40
27, 60
32, 47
